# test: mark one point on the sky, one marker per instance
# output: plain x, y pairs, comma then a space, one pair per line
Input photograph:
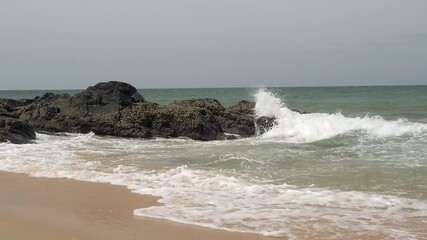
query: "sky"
71, 44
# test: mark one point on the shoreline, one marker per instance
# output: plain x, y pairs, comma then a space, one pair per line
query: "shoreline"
51, 209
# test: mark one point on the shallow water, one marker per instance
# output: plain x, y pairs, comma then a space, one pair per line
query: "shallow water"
356, 165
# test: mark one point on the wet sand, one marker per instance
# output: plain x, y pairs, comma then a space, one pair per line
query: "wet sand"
51, 209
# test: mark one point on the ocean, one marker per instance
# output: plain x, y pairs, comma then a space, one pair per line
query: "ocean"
355, 167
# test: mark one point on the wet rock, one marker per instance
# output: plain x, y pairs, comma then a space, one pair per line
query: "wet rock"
178, 119
209, 104
239, 119
90, 110
111, 94
264, 124
243, 107
10, 107
15, 131
194, 122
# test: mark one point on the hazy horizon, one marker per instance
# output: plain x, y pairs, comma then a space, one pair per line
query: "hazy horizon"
231, 87
73, 44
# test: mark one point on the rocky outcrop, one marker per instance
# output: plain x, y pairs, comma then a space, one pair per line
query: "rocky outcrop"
93, 109
117, 109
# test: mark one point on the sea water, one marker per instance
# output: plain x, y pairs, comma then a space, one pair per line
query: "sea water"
355, 167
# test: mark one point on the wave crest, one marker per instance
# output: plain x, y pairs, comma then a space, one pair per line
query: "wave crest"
296, 127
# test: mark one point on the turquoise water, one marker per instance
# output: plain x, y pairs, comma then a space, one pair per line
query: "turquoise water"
356, 166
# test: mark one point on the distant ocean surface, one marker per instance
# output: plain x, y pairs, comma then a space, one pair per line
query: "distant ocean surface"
354, 168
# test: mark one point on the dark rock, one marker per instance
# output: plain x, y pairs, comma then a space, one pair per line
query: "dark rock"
15, 131
195, 122
264, 124
108, 93
49, 112
239, 119
210, 104
52, 112
119, 113
243, 107
9, 107
3, 137
19, 128
101, 102
178, 119
91, 110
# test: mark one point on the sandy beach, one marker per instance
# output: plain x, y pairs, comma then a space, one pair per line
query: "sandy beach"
41, 208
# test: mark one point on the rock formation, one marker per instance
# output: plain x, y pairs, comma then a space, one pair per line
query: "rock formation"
117, 109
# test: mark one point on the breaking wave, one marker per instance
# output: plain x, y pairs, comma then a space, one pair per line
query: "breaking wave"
293, 126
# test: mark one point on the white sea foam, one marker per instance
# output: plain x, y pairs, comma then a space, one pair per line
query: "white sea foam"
212, 198
217, 201
296, 127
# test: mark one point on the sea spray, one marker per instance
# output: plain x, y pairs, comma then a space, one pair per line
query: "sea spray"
293, 126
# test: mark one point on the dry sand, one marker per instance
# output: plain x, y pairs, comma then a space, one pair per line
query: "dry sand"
55, 209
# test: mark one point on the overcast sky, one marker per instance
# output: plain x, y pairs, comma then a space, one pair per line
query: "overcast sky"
51, 44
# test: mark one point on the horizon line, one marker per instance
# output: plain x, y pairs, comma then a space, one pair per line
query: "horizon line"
159, 88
